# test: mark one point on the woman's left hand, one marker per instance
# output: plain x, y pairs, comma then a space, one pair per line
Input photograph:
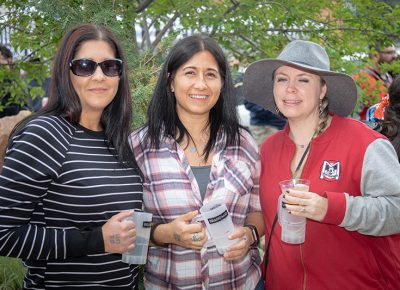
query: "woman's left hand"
307, 204
239, 249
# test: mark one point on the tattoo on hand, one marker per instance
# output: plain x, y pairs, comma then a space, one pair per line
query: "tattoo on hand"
177, 237
115, 239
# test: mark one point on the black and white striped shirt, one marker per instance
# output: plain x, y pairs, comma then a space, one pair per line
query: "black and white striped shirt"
60, 183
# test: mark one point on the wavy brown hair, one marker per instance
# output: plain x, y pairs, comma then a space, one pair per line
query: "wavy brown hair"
64, 101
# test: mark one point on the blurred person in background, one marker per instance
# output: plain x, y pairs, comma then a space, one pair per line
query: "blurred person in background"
10, 113
372, 80
384, 117
263, 123
9, 108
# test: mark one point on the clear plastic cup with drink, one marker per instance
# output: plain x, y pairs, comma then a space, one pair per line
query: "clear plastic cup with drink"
138, 255
293, 227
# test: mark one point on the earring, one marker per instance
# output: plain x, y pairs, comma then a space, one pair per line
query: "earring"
277, 110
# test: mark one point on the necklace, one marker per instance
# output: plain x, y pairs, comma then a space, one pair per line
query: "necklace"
192, 149
300, 145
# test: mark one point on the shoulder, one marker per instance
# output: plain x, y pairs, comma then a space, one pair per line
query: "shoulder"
50, 124
137, 137
364, 73
355, 129
247, 141
46, 131
46, 138
247, 150
275, 139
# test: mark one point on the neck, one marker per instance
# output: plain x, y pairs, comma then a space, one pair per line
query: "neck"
91, 123
301, 133
377, 68
194, 123
197, 126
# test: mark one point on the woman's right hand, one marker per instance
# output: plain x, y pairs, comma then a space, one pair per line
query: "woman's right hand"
182, 232
119, 235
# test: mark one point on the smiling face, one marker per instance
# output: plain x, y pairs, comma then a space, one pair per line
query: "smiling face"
98, 90
297, 93
197, 85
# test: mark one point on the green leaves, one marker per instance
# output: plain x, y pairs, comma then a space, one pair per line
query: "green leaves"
247, 29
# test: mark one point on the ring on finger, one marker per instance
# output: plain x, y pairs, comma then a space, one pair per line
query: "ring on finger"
196, 237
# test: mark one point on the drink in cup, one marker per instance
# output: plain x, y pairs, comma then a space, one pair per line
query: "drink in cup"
293, 227
138, 255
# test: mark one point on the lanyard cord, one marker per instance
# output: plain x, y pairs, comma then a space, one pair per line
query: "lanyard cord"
266, 255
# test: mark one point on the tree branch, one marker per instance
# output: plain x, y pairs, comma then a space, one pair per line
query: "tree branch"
252, 44
230, 9
299, 30
143, 5
146, 35
32, 53
166, 27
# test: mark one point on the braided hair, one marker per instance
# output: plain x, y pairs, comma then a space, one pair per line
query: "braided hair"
323, 114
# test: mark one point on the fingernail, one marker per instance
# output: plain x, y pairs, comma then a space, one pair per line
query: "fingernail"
283, 205
283, 196
289, 212
287, 191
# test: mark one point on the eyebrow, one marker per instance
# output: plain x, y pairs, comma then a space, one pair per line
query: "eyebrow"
195, 68
300, 75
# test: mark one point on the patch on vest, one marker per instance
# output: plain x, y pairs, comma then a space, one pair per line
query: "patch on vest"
330, 170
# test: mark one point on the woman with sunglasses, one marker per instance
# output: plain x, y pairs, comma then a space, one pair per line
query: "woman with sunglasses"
191, 152
70, 179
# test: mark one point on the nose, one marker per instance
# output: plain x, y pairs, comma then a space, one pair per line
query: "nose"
200, 83
291, 87
98, 74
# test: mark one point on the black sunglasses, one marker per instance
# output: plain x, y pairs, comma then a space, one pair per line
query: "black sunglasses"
86, 67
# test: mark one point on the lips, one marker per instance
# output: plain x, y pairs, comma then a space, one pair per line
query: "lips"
198, 97
98, 90
291, 102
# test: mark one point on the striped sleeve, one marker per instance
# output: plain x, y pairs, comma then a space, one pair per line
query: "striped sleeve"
32, 162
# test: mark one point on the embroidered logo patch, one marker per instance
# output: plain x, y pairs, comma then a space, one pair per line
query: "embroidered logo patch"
330, 170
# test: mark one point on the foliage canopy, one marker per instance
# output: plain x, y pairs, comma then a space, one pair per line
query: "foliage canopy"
247, 29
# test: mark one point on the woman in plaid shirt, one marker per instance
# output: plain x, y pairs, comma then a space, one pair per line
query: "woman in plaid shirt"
192, 151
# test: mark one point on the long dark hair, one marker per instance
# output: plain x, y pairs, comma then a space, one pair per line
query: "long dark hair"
162, 119
391, 123
64, 101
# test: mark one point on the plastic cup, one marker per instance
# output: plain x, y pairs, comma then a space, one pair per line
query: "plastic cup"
218, 223
293, 227
138, 255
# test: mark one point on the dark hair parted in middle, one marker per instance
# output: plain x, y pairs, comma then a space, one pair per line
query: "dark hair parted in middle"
162, 117
64, 101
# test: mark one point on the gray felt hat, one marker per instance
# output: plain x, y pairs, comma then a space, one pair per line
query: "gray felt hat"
304, 55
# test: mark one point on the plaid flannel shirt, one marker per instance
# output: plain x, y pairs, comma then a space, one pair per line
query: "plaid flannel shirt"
171, 190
